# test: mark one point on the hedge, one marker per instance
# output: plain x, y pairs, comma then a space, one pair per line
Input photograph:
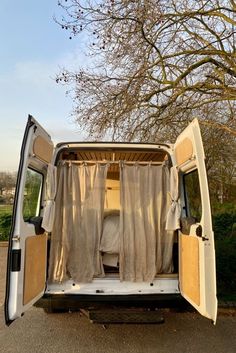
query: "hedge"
224, 225
5, 225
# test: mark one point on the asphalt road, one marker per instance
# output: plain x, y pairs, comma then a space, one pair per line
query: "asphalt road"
60, 333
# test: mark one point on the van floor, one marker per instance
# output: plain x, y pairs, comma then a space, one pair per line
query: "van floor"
111, 285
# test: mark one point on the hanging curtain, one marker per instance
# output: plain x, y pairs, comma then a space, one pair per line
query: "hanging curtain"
51, 189
174, 212
77, 228
145, 245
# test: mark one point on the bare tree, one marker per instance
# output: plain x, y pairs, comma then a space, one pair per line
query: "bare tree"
7, 182
158, 64
220, 161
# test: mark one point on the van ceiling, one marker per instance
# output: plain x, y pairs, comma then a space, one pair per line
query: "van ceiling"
115, 155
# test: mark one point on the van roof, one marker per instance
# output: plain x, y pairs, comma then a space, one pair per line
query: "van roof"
122, 144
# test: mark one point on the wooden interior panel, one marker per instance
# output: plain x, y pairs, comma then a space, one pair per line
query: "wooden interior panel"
189, 267
114, 175
184, 151
43, 149
35, 266
112, 196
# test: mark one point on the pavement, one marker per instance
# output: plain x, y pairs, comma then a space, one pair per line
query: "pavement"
39, 332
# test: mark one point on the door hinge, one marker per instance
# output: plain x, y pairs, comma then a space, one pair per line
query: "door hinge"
16, 238
15, 260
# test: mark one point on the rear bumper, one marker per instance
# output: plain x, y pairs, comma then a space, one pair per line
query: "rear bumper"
76, 302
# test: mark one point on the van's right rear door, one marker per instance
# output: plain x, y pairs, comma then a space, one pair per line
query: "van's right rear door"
197, 272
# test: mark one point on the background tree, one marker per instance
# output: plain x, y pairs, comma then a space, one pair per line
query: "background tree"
158, 62
156, 65
7, 181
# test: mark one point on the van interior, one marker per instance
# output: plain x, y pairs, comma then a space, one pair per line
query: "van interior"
164, 249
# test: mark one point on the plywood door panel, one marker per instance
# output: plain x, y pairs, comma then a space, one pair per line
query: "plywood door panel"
184, 151
35, 266
43, 149
189, 267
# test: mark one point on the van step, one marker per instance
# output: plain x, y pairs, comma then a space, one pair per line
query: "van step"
127, 316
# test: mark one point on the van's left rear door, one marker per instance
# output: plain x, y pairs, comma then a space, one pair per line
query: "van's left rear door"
27, 254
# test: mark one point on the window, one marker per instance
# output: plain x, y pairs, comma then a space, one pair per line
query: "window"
32, 194
193, 195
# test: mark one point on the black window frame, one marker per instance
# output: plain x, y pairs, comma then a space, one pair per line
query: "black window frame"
41, 194
186, 202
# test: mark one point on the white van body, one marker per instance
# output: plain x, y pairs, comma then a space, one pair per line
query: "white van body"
194, 277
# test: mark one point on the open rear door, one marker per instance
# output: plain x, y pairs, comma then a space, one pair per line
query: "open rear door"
27, 254
197, 273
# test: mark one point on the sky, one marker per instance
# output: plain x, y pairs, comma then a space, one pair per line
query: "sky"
33, 49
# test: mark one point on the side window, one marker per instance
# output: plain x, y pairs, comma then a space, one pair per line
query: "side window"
193, 195
32, 194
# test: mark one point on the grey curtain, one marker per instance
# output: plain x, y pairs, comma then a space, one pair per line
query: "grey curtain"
145, 245
77, 228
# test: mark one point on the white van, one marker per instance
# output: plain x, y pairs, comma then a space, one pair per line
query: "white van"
105, 223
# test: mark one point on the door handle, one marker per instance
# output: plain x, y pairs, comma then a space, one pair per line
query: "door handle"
199, 233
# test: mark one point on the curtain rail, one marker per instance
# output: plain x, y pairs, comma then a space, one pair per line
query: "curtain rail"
111, 162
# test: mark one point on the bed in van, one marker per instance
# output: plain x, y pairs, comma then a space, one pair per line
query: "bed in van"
110, 223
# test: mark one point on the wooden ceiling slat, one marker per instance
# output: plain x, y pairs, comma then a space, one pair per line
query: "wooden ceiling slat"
150, 157
142, 156
128, 157
132, 157
79, 156
86, 155
158, 156
93, 155
117, 156
137, 156
123, 156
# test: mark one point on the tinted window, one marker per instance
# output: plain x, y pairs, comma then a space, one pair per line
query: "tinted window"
192, 195
32, 194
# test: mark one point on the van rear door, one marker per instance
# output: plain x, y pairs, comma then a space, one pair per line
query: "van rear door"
27, 254
197, 273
